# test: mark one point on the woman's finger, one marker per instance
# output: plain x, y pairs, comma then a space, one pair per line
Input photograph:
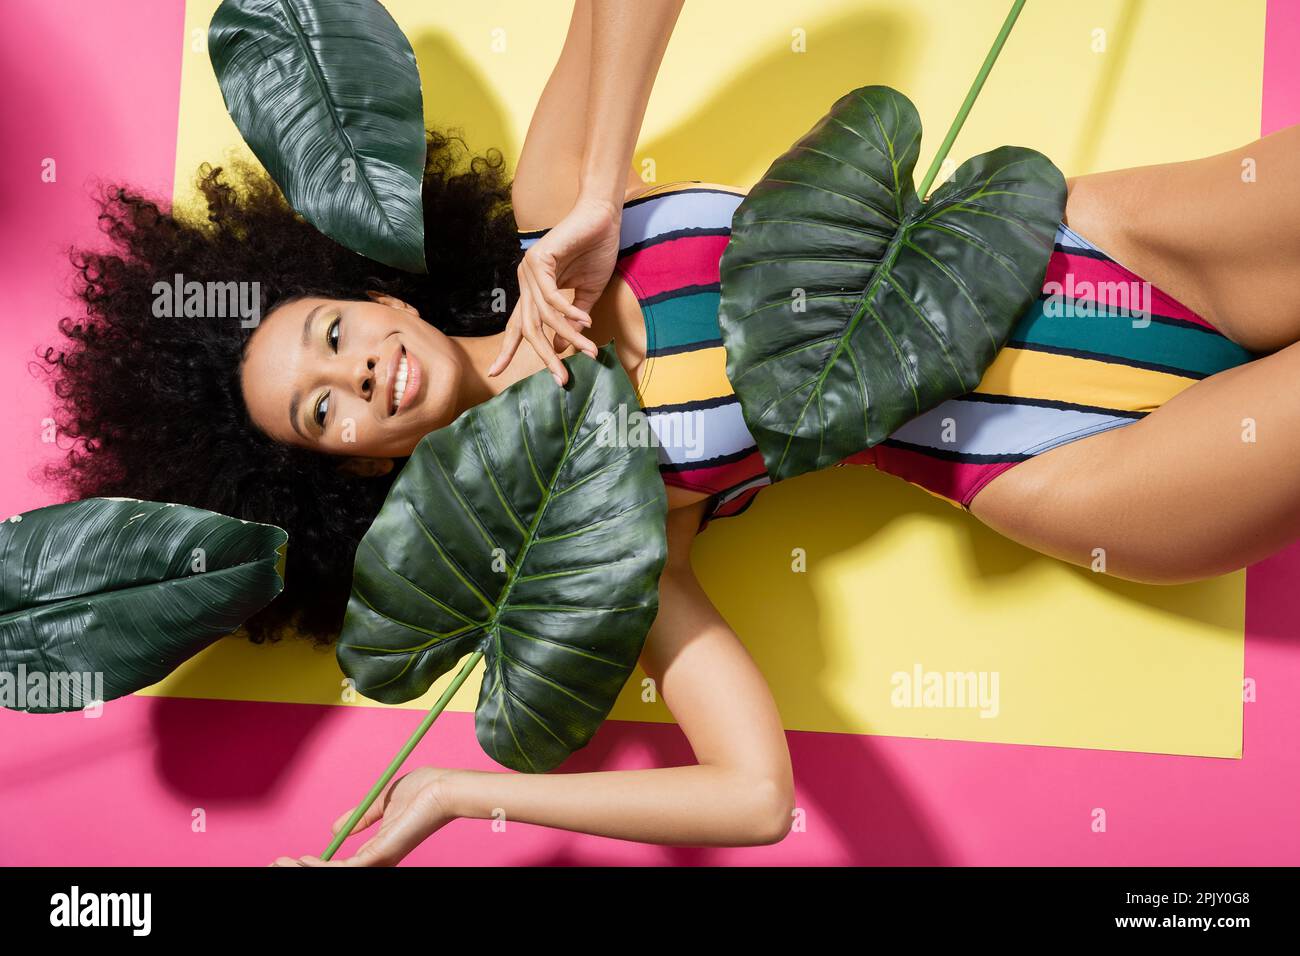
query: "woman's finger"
564, 321
543, 348
585, 299
542, 276
509, 345
556, 310
560, 325
373, 812
380, 850
551, 294
533, 333
563, 332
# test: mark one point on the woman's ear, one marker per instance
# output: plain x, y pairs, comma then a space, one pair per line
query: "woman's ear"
392, 302
366, 467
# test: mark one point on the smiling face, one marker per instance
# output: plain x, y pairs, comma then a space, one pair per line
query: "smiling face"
362, 379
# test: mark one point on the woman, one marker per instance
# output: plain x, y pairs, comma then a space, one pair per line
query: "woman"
1106, 442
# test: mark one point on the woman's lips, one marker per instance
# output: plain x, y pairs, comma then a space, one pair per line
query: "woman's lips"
414, 379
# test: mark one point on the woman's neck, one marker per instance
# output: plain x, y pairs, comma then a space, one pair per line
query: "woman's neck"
478, 352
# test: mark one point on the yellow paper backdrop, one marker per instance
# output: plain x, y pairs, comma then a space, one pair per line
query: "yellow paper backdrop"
895, 580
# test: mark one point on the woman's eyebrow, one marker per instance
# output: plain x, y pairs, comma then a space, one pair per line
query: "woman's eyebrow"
297, 399
306, 325
293, 417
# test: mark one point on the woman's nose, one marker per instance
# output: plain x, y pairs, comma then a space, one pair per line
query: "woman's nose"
363, 376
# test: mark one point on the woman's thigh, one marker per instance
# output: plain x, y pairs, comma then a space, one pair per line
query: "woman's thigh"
1220, 234
1205, 484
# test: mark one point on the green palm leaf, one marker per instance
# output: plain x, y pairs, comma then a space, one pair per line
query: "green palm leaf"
849, 306
525, 530
326, 93
126, 589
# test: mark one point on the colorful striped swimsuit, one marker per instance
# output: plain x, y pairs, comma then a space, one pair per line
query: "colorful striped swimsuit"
670, 243
1098, 350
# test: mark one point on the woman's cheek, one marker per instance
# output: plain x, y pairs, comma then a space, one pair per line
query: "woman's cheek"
347, 437
348, 432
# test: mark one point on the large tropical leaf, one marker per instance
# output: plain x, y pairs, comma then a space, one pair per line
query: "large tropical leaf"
126, 589
528, 529
849, 306
326, 93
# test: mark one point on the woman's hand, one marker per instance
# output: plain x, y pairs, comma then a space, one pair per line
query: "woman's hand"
412, 807
578, 253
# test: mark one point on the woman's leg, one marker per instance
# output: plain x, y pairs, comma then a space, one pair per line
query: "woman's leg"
1205, 484
1220, 234
1209, 482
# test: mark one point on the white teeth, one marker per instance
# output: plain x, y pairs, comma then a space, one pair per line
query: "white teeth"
399, 389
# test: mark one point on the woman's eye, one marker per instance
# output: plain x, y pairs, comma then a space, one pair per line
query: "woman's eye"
332, 335
321, 410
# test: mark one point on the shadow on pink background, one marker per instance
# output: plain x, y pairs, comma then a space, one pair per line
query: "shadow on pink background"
269, 778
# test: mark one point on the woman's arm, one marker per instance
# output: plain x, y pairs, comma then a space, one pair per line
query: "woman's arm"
741, 791
549, 171
628, 43
575, 171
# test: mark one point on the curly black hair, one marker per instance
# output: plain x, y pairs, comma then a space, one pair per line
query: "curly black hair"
154, 405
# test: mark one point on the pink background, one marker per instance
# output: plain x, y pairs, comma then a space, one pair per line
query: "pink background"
271, 777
